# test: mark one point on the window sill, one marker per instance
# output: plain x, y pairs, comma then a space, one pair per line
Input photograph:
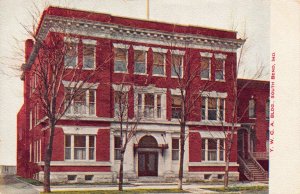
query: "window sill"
220, 80
212, 163
124, 72
77, 163
158, 75
176, 77
205, 79
88, 68
140, 74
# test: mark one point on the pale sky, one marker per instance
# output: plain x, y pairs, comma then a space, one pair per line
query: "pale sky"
251, 15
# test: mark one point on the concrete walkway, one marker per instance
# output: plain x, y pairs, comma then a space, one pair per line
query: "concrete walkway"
10, 185
192, 188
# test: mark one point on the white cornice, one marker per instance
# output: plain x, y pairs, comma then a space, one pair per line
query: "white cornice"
118, 32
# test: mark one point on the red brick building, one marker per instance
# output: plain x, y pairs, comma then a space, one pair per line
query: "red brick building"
253, 136
141, 53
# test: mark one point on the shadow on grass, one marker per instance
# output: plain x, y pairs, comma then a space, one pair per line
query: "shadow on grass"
131, 191
239, 188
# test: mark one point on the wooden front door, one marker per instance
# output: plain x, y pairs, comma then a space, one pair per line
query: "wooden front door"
148, 163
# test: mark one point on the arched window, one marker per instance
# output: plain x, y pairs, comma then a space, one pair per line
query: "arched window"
148, 141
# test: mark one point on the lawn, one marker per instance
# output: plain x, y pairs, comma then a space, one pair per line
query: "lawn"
239, 188
129, 191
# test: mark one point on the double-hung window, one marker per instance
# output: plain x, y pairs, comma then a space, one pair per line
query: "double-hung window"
117, 148
140, 62
175, 149
89, 56
176, 106
83, 102
268, 109
205, 67
213, 149
121, 104
252, 108
212, 109
80, 147
149, 105
120, 59
220, 67
177, 66
158, 64
71, 54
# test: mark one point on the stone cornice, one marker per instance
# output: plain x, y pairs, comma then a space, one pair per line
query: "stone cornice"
119, 32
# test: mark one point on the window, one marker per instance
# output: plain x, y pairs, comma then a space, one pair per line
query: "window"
30, 152
212, 109
213, 149
120, 62
117, 148
72, 177
88, 56
139, 62
149, 105
121, 104
219, 74
30, 120
158, 63
70, 59
252, 111
205, 68
83, 102
175, 149
36, 114
268, 109
88, 177
176, 69
80, 147
176, 107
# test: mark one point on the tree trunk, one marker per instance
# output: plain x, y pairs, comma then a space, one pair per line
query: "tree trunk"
48, 157
121, 173
226, 178
181, 160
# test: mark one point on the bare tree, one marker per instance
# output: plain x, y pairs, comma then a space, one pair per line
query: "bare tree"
188, 92
59, 81
127, 126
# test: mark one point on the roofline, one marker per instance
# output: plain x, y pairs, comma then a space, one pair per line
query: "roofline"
140, 19
49, 8
255, 80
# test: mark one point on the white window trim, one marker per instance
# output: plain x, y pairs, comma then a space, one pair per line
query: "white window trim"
68, 84
126, 48
120, 88
151, 90
86, 147
181, 66
218, 150
250, 116
95, 52
146, 56
218, 109
223, 79
30, 120
214, 94
76, 57
209, 56
160, 75
30, 152
87, 110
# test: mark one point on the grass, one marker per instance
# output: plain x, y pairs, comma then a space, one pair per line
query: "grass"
131, 191
30, 181
239, 188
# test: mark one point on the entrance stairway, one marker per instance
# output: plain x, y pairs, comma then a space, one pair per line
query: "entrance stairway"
252, 170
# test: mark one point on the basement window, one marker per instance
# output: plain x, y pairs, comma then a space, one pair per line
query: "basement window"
207, 176
88, 177
220, 176
72, 177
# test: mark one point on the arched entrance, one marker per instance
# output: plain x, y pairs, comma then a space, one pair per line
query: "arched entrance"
147, 156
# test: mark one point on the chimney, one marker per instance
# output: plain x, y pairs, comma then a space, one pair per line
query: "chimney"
28, 48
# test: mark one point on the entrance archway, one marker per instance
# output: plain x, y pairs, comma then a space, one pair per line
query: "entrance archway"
147, 156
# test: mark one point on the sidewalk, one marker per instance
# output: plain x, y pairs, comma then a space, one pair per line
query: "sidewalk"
192, 187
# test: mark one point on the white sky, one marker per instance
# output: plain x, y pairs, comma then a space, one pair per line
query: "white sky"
252, 15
